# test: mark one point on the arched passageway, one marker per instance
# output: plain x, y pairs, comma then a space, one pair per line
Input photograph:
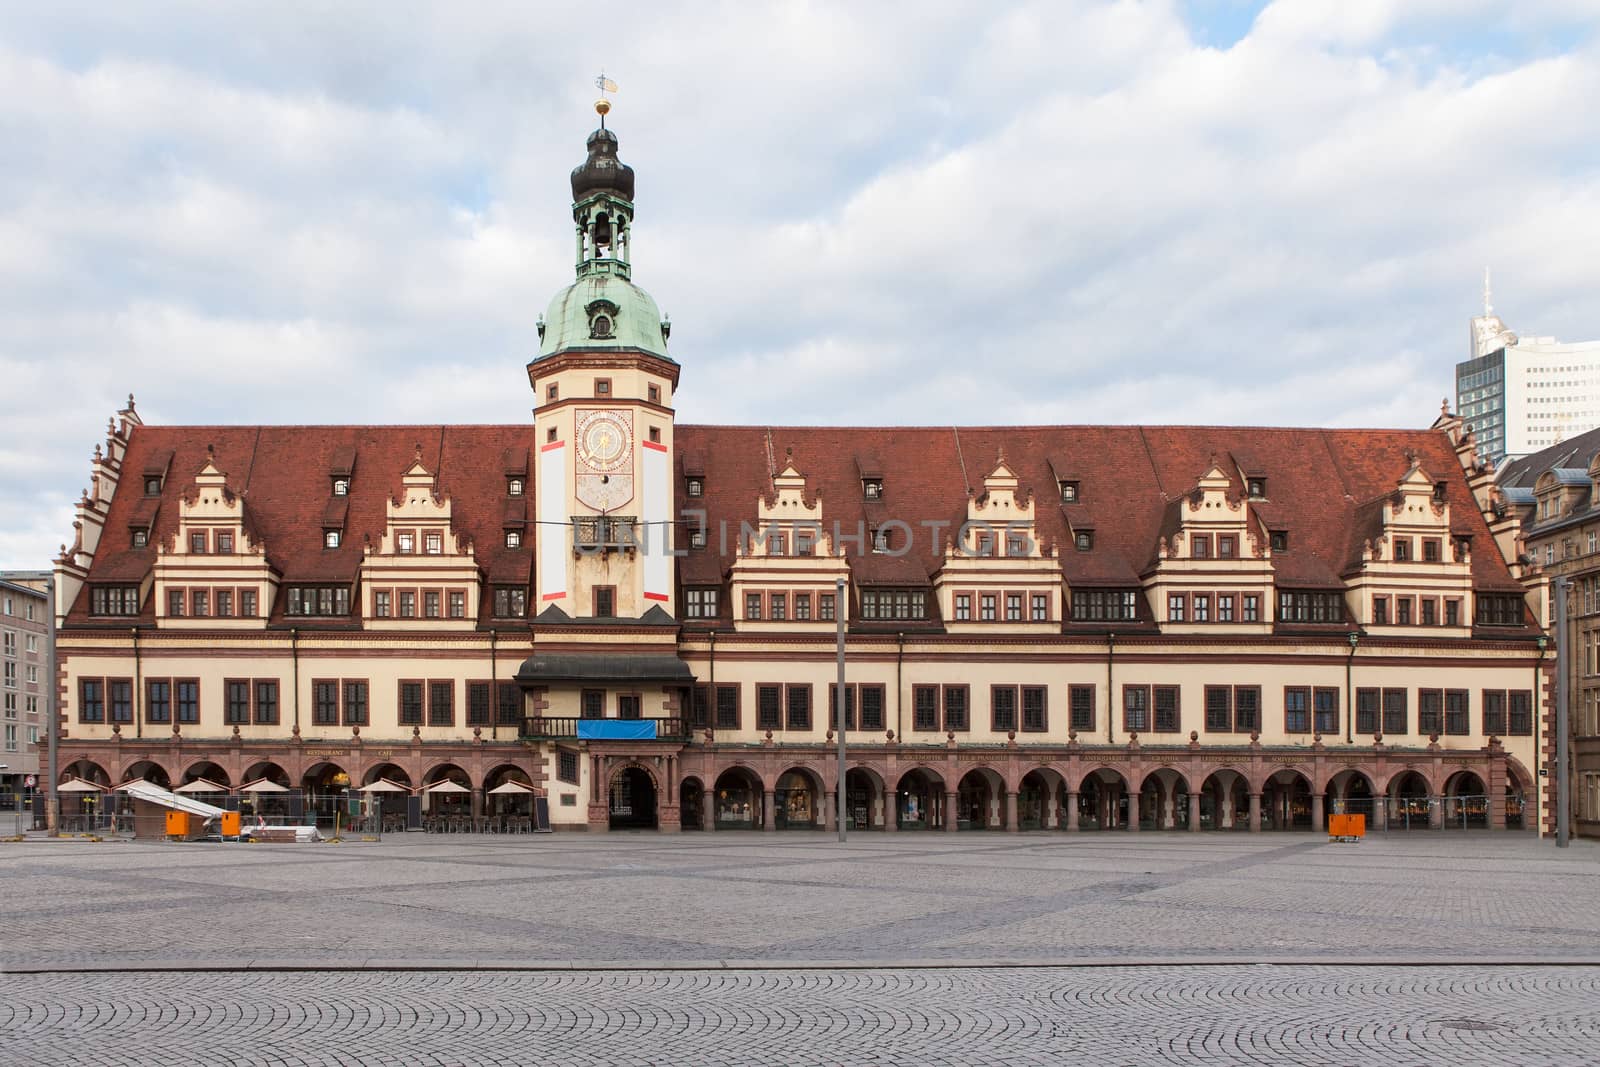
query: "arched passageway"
1410, 806
978, 800
1164, 801
797, 801
1466, 802
919, 801
738, 800
1225, 801
1103, 801
1286, 802
633, 799
864, 799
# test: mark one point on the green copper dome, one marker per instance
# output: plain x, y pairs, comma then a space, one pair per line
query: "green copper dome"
602, 311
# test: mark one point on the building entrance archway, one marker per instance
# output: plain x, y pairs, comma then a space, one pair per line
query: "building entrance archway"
633, 799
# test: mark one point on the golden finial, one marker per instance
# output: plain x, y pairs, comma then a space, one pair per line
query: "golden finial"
602, 106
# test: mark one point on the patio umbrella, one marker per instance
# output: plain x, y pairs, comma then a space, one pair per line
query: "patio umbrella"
78, 785
512, 788
383, 785
264, 785
447, 786
201, 785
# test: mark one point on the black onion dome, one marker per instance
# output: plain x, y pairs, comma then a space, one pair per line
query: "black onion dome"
602, 170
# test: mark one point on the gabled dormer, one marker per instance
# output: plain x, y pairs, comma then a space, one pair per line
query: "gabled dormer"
786, 569
996, 571
1560, 491
1212, 566
1411, 572
214, 572
421, 573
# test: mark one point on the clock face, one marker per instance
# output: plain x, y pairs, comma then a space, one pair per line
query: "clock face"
604, 440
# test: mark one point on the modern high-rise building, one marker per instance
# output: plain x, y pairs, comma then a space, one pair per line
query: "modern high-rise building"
24, 680
1524, 394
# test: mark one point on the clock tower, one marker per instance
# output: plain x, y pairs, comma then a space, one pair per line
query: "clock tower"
603, 386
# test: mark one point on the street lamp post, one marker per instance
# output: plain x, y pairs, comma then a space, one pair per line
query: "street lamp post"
839, 611
1563, 712
16, 801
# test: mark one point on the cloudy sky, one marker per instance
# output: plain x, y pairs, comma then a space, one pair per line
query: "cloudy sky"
1214, 211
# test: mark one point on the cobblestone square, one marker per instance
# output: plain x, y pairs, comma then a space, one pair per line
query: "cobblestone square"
732, 948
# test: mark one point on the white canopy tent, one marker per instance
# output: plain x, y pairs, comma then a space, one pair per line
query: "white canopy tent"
447, 786
201, 785
514, 788
78, 785
166, 798
383, 785
264, 785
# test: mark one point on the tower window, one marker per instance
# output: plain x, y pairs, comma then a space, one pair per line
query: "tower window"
602, 387
600, 326
552, 391
653, 393
655, 434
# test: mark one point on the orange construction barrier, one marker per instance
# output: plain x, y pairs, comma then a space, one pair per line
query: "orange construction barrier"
177, 824
230, 824
1347, 827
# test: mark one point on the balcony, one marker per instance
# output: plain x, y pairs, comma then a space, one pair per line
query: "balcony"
565, 728
604, 533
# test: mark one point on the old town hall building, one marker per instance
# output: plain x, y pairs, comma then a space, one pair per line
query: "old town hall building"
1049, 627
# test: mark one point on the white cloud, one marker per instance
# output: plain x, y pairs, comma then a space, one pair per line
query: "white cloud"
1047, 212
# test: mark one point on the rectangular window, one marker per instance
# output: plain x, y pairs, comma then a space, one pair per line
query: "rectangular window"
778, 603
986, 607
200, 599
825, 607
355, 703
727, 707
433, 544
509, 709
197, 543
1202, 607
1080, 708
247, 603
700, 709
849, 706
430, 604
700, 603
1494, 712
1430, 550
91, 700
802, 607
224, 543
566, 766
236, 707
925, 708
1225, 546
325, 703
1296, 709
224, 603
1013, 607
1200, 546
1520, 712
592, 704
1402, 610
963, 607
1246, 708
1380, 611
1165, 699
266, 703
769, 707
441, 704
1034, 717
1367, 701
1325, 709
1003, 708
957, 708
1430, 711
458, 605
1219, 709
408, 604
1457, 714
799, 707
628, 706
380, 604
1175, 606
752, 605
1252, 607
477, 703
605, 601
1452, 613
410, 703
1041, 607
1430, 612
872, 701
1136, 708
1496, 609
175, 601
1225, 607
510, 602
1395, 713
158, 701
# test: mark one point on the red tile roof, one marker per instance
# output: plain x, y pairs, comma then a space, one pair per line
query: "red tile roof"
1317, 482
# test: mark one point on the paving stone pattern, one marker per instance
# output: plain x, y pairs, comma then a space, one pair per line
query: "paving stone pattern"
1238, 1015
783, 897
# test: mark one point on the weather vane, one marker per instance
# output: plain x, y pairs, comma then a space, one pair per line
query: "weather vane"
602, 105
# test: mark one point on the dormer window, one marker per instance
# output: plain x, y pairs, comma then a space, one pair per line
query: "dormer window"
880, 539
1402, 549
341, 487
602, 319
433, 544
330, 539
513, 538
224, 543
1279, 540
514, 487
405, 542
1084, 540
1069, 492
141, 538
197, 543
695, 487
1440, 489
152, 487
1016, 544
872, 488
697, 539
1256, 488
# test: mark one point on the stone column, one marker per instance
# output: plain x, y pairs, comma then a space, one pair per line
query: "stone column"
477, 807
891, 812
1224, 800
1380, 813
1194, 812
1317, 823
951, 818
1435, 813
1255, 813
1052, 815
769, 811
708, 809
1011, 812
1133, 811
830, 817
1169, 805
1072, 812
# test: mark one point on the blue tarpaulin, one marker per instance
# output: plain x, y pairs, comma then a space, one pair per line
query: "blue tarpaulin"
617, 729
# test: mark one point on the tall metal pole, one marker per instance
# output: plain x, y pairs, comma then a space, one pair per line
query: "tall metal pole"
840, 609
1563, 788
52, 730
